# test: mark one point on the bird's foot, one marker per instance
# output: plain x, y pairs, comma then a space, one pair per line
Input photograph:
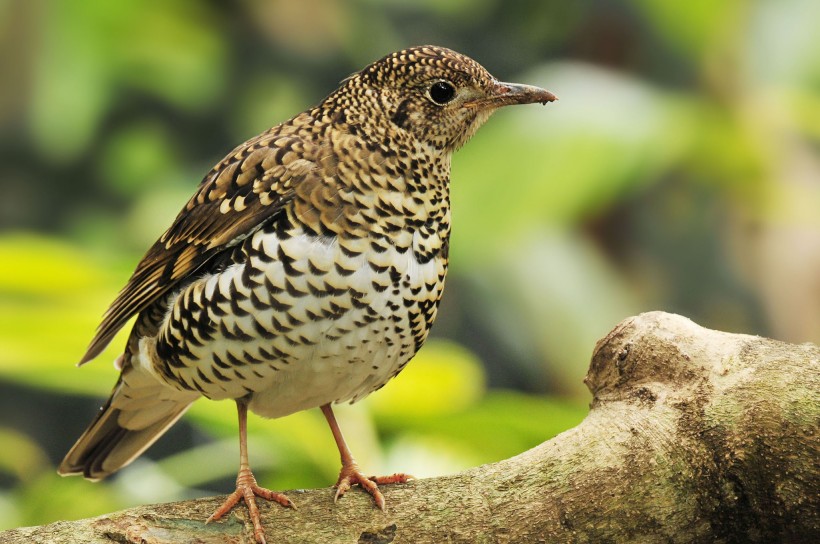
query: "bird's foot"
247, 490
350, 475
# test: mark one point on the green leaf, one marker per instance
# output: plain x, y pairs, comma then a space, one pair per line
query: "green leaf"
51, 302
561, 164
444, 375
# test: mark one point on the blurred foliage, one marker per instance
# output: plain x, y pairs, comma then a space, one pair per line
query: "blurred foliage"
678, 171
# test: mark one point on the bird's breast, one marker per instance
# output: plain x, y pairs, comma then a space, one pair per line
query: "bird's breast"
305, 319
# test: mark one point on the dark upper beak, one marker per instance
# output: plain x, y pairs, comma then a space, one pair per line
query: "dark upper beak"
503, 94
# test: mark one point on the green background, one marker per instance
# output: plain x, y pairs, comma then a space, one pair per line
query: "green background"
679, 171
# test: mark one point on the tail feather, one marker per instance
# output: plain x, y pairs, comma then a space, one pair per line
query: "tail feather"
138, 412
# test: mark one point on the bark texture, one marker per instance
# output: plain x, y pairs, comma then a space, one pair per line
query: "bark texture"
693, 435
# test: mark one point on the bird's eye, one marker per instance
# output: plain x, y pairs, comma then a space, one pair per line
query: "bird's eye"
441, 92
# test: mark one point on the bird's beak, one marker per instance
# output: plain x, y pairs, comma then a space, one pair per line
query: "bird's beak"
503, 94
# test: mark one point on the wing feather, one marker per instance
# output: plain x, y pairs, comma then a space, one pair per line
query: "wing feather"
237, 197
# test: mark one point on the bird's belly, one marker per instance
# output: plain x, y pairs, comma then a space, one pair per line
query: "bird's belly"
336, 371
303, 322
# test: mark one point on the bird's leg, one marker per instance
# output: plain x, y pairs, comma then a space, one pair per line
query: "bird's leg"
246, 487
350, 474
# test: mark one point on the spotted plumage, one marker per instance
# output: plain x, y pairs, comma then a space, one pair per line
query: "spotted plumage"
306, 269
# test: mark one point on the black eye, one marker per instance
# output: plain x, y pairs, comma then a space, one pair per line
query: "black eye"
441, 92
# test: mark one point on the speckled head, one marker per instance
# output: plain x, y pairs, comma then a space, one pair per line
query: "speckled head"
430, 94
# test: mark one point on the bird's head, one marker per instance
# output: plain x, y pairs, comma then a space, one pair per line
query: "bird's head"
429, 94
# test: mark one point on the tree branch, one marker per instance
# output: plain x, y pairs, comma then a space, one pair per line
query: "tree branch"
693, 436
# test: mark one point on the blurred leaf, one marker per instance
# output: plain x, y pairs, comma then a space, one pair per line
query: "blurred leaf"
51, 302
442, 378
266, 101
185, 59
563, 163
312, 27
456, 10
43, 496
49, 497
155, 210
698, 27
139, 158
551, 295
71, 90
502, 424
806, 113
20, 456
782, 47
45, 267
429, 455
727, 153
90, 49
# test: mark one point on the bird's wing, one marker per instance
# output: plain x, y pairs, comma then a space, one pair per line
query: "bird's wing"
242, 192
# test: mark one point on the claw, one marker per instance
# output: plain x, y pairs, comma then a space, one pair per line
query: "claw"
350, 475
248, 490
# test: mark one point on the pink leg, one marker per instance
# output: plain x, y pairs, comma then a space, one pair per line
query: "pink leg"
246, 487
350, 474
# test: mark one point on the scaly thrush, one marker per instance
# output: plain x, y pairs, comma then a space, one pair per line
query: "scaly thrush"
306, 269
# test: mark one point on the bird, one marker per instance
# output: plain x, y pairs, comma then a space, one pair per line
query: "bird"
306, 270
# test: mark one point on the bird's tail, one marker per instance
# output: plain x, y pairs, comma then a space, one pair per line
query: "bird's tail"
139, 410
